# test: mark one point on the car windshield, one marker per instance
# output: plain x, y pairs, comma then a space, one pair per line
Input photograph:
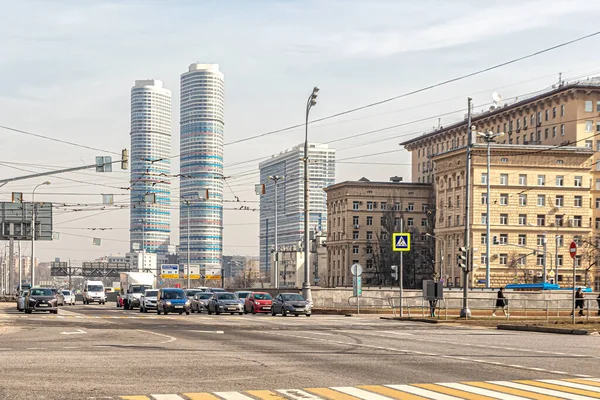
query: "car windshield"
66, 292
263, 296
95, 288
41, 292
227, 296
140, 289
174, 295
191, 293
204, 296
242, 295
292, 297
151, 293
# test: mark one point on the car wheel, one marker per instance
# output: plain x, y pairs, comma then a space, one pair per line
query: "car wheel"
54, 311
273, 313
27, 311
308, 315
181, 312
295, 315
157, 311
187, 313
245, 311
145, 310
241, 313
209, 312
283, 312
253, 310
217, 312
141, 309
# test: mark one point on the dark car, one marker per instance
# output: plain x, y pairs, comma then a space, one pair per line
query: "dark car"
41, 299
200, 301
225, 302
290, 303
258, 302
172, 300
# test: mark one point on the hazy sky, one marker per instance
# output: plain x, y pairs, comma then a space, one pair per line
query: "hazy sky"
67, 68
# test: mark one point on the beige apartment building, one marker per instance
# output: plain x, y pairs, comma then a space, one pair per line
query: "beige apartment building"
567, 116
362, 214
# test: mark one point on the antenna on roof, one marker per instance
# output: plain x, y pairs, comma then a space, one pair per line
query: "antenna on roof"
559, 79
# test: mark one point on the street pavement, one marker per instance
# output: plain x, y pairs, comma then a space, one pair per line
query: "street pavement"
94, 352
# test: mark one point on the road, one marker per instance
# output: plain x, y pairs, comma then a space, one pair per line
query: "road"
98, 351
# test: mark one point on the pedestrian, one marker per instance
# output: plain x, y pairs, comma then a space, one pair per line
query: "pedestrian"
598, 300
432, 306
579, 301
501, 302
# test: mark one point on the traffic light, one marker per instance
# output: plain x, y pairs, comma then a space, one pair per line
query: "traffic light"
395, 272
462, 258
495, 240
124, 159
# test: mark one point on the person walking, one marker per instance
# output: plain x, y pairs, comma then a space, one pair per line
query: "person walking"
501, 302
579, 301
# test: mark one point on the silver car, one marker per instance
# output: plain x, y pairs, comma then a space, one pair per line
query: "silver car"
69, 297
148, 300
21, 300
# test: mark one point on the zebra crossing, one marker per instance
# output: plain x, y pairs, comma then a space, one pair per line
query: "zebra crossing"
543, 389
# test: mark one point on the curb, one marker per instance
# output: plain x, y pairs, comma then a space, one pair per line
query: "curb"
543, 329
426, 320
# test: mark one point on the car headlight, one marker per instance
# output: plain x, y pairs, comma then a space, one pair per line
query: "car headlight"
187, 303
202, 303
168, 303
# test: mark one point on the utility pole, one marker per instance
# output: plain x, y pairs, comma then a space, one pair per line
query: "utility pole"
465, 312
276, 179
20, 269
544, 271
401, 272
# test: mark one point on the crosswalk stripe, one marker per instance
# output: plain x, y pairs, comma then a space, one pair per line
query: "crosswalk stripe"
422, 392
516, 392
454, 392
330, 394
134, 398
561, 388
166, 397
589, 382
201, 396
559, 394
265, 395
394, 394
233, 396
360, 393
572, 385
298, 394
482, 392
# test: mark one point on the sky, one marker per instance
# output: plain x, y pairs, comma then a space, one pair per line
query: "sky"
67, 68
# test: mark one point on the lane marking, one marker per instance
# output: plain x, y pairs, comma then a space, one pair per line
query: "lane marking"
360, 393
461, 394
265, 395
528, 388
170, 338
296, 394
391, 393
422, 392
573, 385
330, 394
233, 396
516, 392
77, 332
166, 397
481, 392
201, 396
560, 388
213, 332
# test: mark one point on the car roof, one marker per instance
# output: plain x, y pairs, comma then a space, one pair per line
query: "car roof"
243, 291
260, 293
172, 290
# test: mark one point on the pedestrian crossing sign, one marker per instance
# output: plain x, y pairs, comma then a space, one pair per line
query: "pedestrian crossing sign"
401, 242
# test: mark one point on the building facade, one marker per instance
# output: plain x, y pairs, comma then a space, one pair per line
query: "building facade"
150, 212
363, 215
202, 127
290, 197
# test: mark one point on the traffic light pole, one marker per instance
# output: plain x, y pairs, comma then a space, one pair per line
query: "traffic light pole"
465, 312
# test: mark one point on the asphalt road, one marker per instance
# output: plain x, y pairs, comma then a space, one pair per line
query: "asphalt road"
103, 352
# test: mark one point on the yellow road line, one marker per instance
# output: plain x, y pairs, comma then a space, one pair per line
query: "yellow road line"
201, 396
330, 394
265, 395
393, 393
452, 392
560, 388
507, 390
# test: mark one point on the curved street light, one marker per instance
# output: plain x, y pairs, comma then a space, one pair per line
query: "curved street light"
33, 232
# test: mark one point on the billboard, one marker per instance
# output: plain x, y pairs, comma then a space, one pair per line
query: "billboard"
213, 273
15, 221
194, 272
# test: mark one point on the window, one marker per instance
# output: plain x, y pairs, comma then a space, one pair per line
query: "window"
483, 238
589, 126
503, 259
560, 241
503, 238
522, 219
553, 112
560, 180
541, 180
383, 206
522, 199
532, 120
541, 200
354, 235
396, 207
589, 106
578, 201
411, 207
370, 205
577, 221
578, 181
504, 159
597, 223
540, 240
504, 199
578, 264
483, 258
553, 131
562, 130
411, 222
597, 183
355, 220
539, 117
484, 178
355, 205
589, 144
369, 221
369, 235
541, 220
540, 260
546, 133
562, 110
560, 201
457, 220
558, 220
423, 221
397, 221
354, 249
503, 219
559, 261
522, 240
547, 115
504, 179
597, 202
457, 201
449, 221
483, 218
523, 180
483, 198
598, 106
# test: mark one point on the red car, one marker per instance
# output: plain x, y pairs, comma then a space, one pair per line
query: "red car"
258, 302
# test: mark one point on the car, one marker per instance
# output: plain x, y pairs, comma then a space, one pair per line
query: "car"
290, 303
258, 302
200, 302
191, 292
172, 300
41, 299
202, 288
242, 294
216, 290
60, 298
69, 297
221, 302
148, 300
21, 300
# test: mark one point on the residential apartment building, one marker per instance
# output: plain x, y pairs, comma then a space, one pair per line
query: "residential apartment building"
362, 215
289, 166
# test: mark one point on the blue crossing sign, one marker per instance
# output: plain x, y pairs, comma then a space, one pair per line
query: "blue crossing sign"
401, 242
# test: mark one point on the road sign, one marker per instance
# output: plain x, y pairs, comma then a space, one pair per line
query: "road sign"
194, 272
357, 285
356, 269
169, 271
213, 273
573, 249
401, 242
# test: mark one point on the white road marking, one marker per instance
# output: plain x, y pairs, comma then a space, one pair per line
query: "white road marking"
298, 394
170, 338
166, 397
72, 347
540, 390
35, 348
482, 392
360, 393
422, 392
573, 385
214, 332
78, 332
232, 396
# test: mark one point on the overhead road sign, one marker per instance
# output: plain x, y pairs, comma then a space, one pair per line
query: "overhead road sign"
401, 242
169, 271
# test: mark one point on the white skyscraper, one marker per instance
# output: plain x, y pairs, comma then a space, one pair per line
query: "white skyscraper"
202, 125
290, 194
150, 222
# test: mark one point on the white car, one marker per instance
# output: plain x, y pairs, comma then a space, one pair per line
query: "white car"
69, 297
148, 300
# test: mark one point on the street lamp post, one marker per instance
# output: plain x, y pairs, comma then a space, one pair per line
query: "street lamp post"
33, 232
306, 292
276, 179
489, 137
441, 252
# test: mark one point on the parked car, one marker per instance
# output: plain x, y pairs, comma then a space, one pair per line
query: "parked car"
242, 294
41, 299
172, 300
200, 302
148, 300
21, 300
60, 298
69, 297
224, 302
258, 302
290, 303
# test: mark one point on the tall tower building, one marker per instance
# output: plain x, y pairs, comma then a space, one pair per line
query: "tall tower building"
290, 196
150, 215
202, 125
